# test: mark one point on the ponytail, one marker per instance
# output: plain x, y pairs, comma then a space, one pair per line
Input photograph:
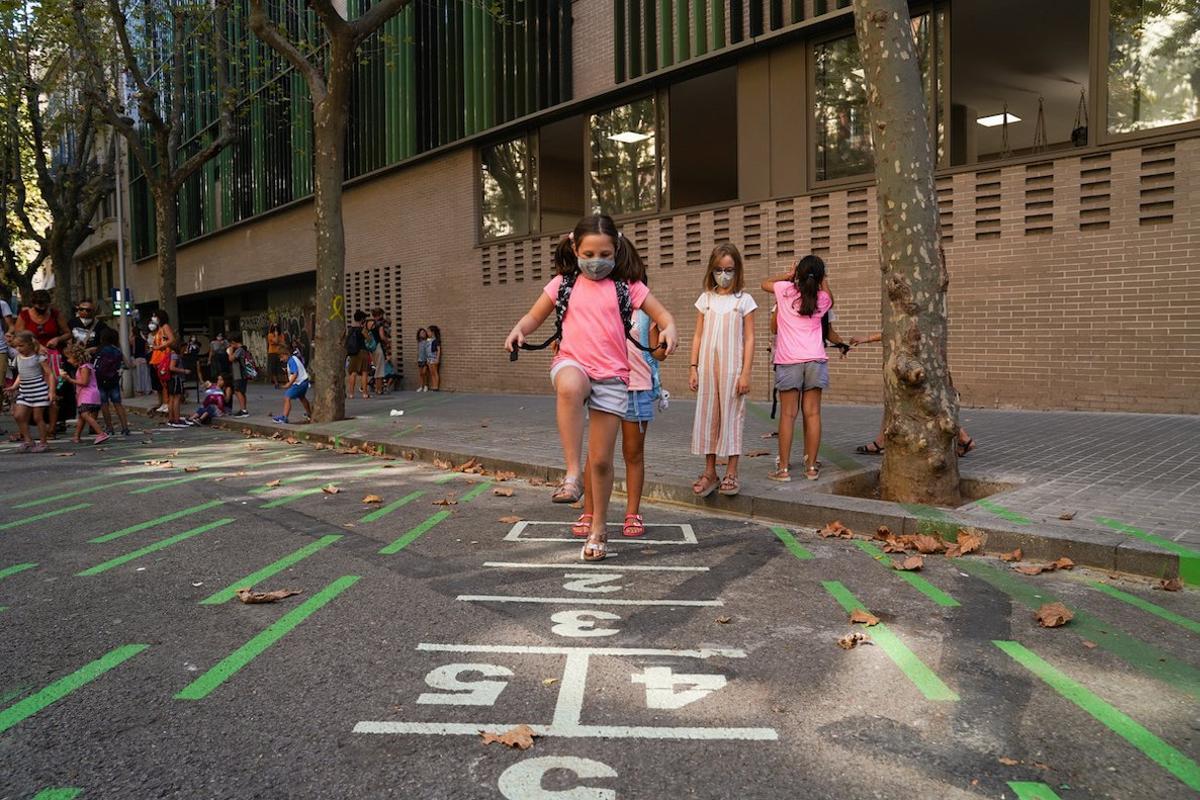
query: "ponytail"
807, 278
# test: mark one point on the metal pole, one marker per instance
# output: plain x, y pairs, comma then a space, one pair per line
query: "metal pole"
123, 306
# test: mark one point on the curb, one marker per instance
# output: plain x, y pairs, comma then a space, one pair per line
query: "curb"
1101, 549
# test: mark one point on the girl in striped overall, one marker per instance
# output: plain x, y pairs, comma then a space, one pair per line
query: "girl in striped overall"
720, 367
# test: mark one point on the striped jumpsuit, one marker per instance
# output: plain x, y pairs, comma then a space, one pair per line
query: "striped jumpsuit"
720, 410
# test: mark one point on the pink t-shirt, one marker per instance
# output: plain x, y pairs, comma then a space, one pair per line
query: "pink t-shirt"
593, 334
799, 337
640, 379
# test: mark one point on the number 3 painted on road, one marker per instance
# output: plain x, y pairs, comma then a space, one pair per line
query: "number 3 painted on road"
465, 693
582, 624
523, 781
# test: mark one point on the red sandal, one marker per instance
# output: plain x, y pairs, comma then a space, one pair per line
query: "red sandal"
635, 528
582, 526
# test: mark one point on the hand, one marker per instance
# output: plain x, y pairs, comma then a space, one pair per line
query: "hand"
694, 379
845, 353
670, 337
515, 339
743, 384
855, 341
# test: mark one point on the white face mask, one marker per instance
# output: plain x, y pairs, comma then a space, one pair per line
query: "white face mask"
723, 279
153, 326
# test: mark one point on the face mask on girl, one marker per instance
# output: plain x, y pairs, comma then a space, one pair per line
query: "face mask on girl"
597, 269
724, 279
153, 325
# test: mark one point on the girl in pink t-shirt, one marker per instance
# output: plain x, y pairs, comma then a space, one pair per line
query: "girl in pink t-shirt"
591, 367
801, 367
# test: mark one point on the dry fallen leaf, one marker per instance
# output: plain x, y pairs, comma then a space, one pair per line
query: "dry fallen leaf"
1067, 516
910, 564
724, 620
65, 455
1063, 563
318, 446
511, 519
505, 492
1030, 569
1052, 615
520, 737
836, 528
1015, 555
191, 469
467, 466
1089, 645
894, 545
372, 498
852, 640
549, 681
928, 544
251, 596
538, 482
502, 475
441, 464
445, 501
1008, 762
757, 453
865, 617
273, 484
969, 540
330, 489
883, 533
292, 440
1170, 584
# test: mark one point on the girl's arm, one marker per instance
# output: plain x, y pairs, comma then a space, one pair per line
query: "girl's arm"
874, 337
528, 323
743, 381
663, 319
769, 284
694, 358
50, 381
825, 288
82, 369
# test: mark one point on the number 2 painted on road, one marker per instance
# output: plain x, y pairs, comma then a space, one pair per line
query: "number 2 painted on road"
661, 682
591, 582
465, 693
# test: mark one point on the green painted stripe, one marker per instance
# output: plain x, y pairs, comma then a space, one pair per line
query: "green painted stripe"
1144, 605
64, 686
230, 591
150, 523
282, 501
46, 515
1032, 790
416, 533
174, 482
296, 479
913, 579
1151, 746
1003, 513
478, 490
1189, 559
914, 669
382, 512
152, 548
1135, 652
41, 501
14, 569
790, 543
228, 666
834, 456
933, 520
447, 477
61, 793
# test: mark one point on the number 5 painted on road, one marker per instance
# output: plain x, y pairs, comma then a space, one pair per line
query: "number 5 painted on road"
523, 781
465, 693
661, 682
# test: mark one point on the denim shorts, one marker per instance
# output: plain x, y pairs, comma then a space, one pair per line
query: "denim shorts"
641, 406
112, 395
804, 375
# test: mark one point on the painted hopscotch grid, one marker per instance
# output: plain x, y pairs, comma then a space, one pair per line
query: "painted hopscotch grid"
516, 533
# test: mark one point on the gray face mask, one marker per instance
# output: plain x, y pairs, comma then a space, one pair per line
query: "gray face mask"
723, 279
597, 269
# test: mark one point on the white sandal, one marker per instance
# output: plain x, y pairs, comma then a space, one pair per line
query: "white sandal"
596, 547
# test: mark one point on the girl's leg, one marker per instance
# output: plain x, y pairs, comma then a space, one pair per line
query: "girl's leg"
435, 377
633, 448
571, 388
121, 415
732, 469
602, 439
789, 402
39, 417
812, 426
79, 419
22, 414
587, 486
92, 422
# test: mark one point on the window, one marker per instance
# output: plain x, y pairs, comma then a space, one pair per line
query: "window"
506, 183
1015, 86
624, 168
560, 174
843, 136
1153, 64
703, 137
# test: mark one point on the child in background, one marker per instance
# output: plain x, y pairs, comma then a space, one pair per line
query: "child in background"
645, 389
801, 366
34, 390
107, 365
435, 358
296, 388
216, 399
423, 359
238, 358
87, 393
176, 372
720, 369
591, 368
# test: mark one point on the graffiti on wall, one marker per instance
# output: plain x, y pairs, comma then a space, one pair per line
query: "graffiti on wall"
295, 322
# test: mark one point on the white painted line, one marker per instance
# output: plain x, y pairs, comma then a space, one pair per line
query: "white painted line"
569, 710
573, 731
574, 565
586, 601
551, 650
578, 540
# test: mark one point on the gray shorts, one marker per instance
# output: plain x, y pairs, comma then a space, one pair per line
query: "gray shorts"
803, 376
610, 396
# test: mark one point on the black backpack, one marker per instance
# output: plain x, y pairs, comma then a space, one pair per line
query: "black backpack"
624, 305
354, 340
108, 365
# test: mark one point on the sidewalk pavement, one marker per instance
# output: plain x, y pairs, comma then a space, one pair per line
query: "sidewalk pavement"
1129, 483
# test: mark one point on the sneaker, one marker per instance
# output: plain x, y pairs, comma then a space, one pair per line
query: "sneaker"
38, 448
124, 431
102, 438
23, 447
161, 409
242, 413
177, 424
281, 419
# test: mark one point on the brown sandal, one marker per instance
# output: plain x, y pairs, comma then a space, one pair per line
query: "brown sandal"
569, 491
599, 548
704, 485
730, 486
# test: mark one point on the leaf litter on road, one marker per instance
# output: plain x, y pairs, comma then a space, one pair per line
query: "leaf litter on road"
511, 519
330, 489
502, 492
445, 501
853, 640
372, 498
1015, 555
250, 596
1170, 584
1053, 615
865, 617
521, 737
835, 529
910, 564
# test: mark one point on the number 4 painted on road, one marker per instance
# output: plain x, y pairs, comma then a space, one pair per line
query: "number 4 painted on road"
661, 682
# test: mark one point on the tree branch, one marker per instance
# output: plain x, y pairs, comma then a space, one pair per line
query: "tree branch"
267, 31
145, 93
175, 114
371, 21
334, 22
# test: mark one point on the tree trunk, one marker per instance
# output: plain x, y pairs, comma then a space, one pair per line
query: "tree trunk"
920, 405
166, 234
329, 340
63, 268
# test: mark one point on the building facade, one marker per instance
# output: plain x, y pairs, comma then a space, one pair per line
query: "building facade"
1067, 136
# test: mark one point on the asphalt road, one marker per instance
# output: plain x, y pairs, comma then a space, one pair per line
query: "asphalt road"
699, 663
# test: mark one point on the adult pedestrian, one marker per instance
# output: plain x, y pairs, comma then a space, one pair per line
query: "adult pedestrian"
381, 336
276, 353
239, 357
50, 330
356, 349
85, 326
7, 322
140, 351
218, 358
435, 358
162, 343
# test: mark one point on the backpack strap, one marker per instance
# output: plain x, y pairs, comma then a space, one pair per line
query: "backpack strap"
625, 304
560, 311
644, 323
